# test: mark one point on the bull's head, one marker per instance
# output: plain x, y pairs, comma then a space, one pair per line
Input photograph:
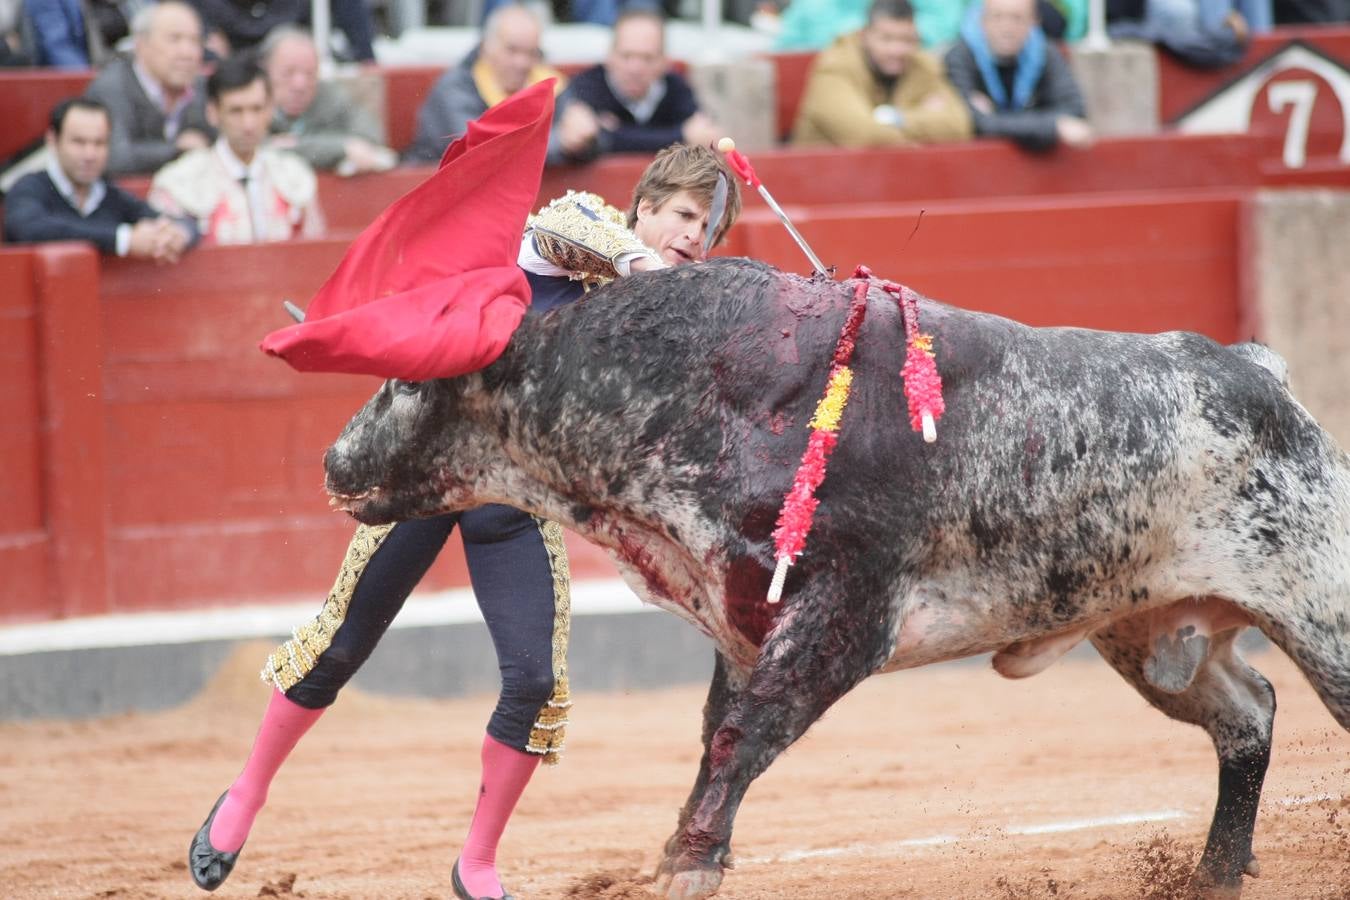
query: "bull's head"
398, 457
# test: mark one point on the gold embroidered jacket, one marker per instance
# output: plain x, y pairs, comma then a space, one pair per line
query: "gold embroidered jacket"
583, 234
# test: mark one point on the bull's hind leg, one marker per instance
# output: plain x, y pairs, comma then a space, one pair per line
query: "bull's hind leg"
1236, 705
1317, 639
820, 647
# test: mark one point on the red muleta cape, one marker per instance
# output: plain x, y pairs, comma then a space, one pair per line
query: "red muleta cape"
431, 288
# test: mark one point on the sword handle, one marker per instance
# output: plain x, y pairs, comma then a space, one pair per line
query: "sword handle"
739, 164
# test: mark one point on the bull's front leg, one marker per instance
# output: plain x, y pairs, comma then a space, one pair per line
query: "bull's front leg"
727, 684
816, 652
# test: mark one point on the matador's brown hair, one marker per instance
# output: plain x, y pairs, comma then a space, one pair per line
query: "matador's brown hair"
692, 168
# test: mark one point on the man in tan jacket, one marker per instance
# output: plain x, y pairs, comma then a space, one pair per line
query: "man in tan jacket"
874, 88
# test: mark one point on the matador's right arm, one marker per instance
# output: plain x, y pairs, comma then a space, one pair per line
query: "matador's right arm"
585, 238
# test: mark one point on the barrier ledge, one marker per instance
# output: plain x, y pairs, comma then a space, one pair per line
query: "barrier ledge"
1143, 262
977, 170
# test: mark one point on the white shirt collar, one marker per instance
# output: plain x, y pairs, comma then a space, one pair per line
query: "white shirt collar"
644, 107
235, 166
66, 188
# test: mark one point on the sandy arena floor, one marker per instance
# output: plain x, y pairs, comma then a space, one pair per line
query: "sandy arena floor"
940, 783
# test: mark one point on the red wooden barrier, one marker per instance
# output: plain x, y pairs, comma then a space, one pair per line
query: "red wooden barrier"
52, 544
1152, 263
215, 477
74, 488
975, 170
24, 541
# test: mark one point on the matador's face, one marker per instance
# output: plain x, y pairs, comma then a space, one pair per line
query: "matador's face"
674, 229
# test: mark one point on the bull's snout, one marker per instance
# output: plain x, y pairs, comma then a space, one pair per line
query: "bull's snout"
349, 489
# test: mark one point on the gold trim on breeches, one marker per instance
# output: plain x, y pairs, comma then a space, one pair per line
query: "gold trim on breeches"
296, 658
550, 727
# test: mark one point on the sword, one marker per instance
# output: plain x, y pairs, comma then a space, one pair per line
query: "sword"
715, 212
293, 311
742, 166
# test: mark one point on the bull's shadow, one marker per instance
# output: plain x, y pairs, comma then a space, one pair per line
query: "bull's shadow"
1154, 494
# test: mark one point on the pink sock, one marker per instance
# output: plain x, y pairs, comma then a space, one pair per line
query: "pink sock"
282, 726
506, 771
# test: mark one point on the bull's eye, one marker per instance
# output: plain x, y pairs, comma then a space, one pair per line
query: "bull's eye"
407, 388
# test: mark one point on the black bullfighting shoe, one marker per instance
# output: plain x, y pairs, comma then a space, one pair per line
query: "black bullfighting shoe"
462, 892
209, 866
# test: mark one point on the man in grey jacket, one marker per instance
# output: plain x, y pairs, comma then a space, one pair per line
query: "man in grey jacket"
508, 59
157, 99
1017, 84
318, 119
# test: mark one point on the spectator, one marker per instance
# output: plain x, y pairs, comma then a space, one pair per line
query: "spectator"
1203, 33
314, 118
71, 200
639, 104
508, 59
239, 190
875, 87
156, 98
59, 40
242, 24
813, 24
13, 47
1311, 12
594, 12
1063, 20
1017, 84
77, 34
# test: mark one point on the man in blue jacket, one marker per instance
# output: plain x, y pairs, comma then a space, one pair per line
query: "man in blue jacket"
72, 201
1017, 84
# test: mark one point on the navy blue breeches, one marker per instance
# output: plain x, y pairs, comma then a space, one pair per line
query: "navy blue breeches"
512, 576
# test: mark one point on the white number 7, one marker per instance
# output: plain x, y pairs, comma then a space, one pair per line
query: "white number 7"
1301, 95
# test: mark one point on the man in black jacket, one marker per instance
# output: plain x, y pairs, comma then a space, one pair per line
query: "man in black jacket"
71, 200
1016, 83
640, 105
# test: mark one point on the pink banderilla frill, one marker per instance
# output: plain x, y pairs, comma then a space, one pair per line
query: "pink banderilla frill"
923, 393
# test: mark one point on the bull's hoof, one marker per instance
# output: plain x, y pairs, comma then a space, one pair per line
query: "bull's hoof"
1204, 886
692, 884
1216, 891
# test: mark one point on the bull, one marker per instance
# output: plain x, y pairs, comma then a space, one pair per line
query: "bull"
1153, 494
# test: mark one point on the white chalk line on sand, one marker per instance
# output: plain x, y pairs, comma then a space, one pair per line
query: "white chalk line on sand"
890, 848
938, 840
